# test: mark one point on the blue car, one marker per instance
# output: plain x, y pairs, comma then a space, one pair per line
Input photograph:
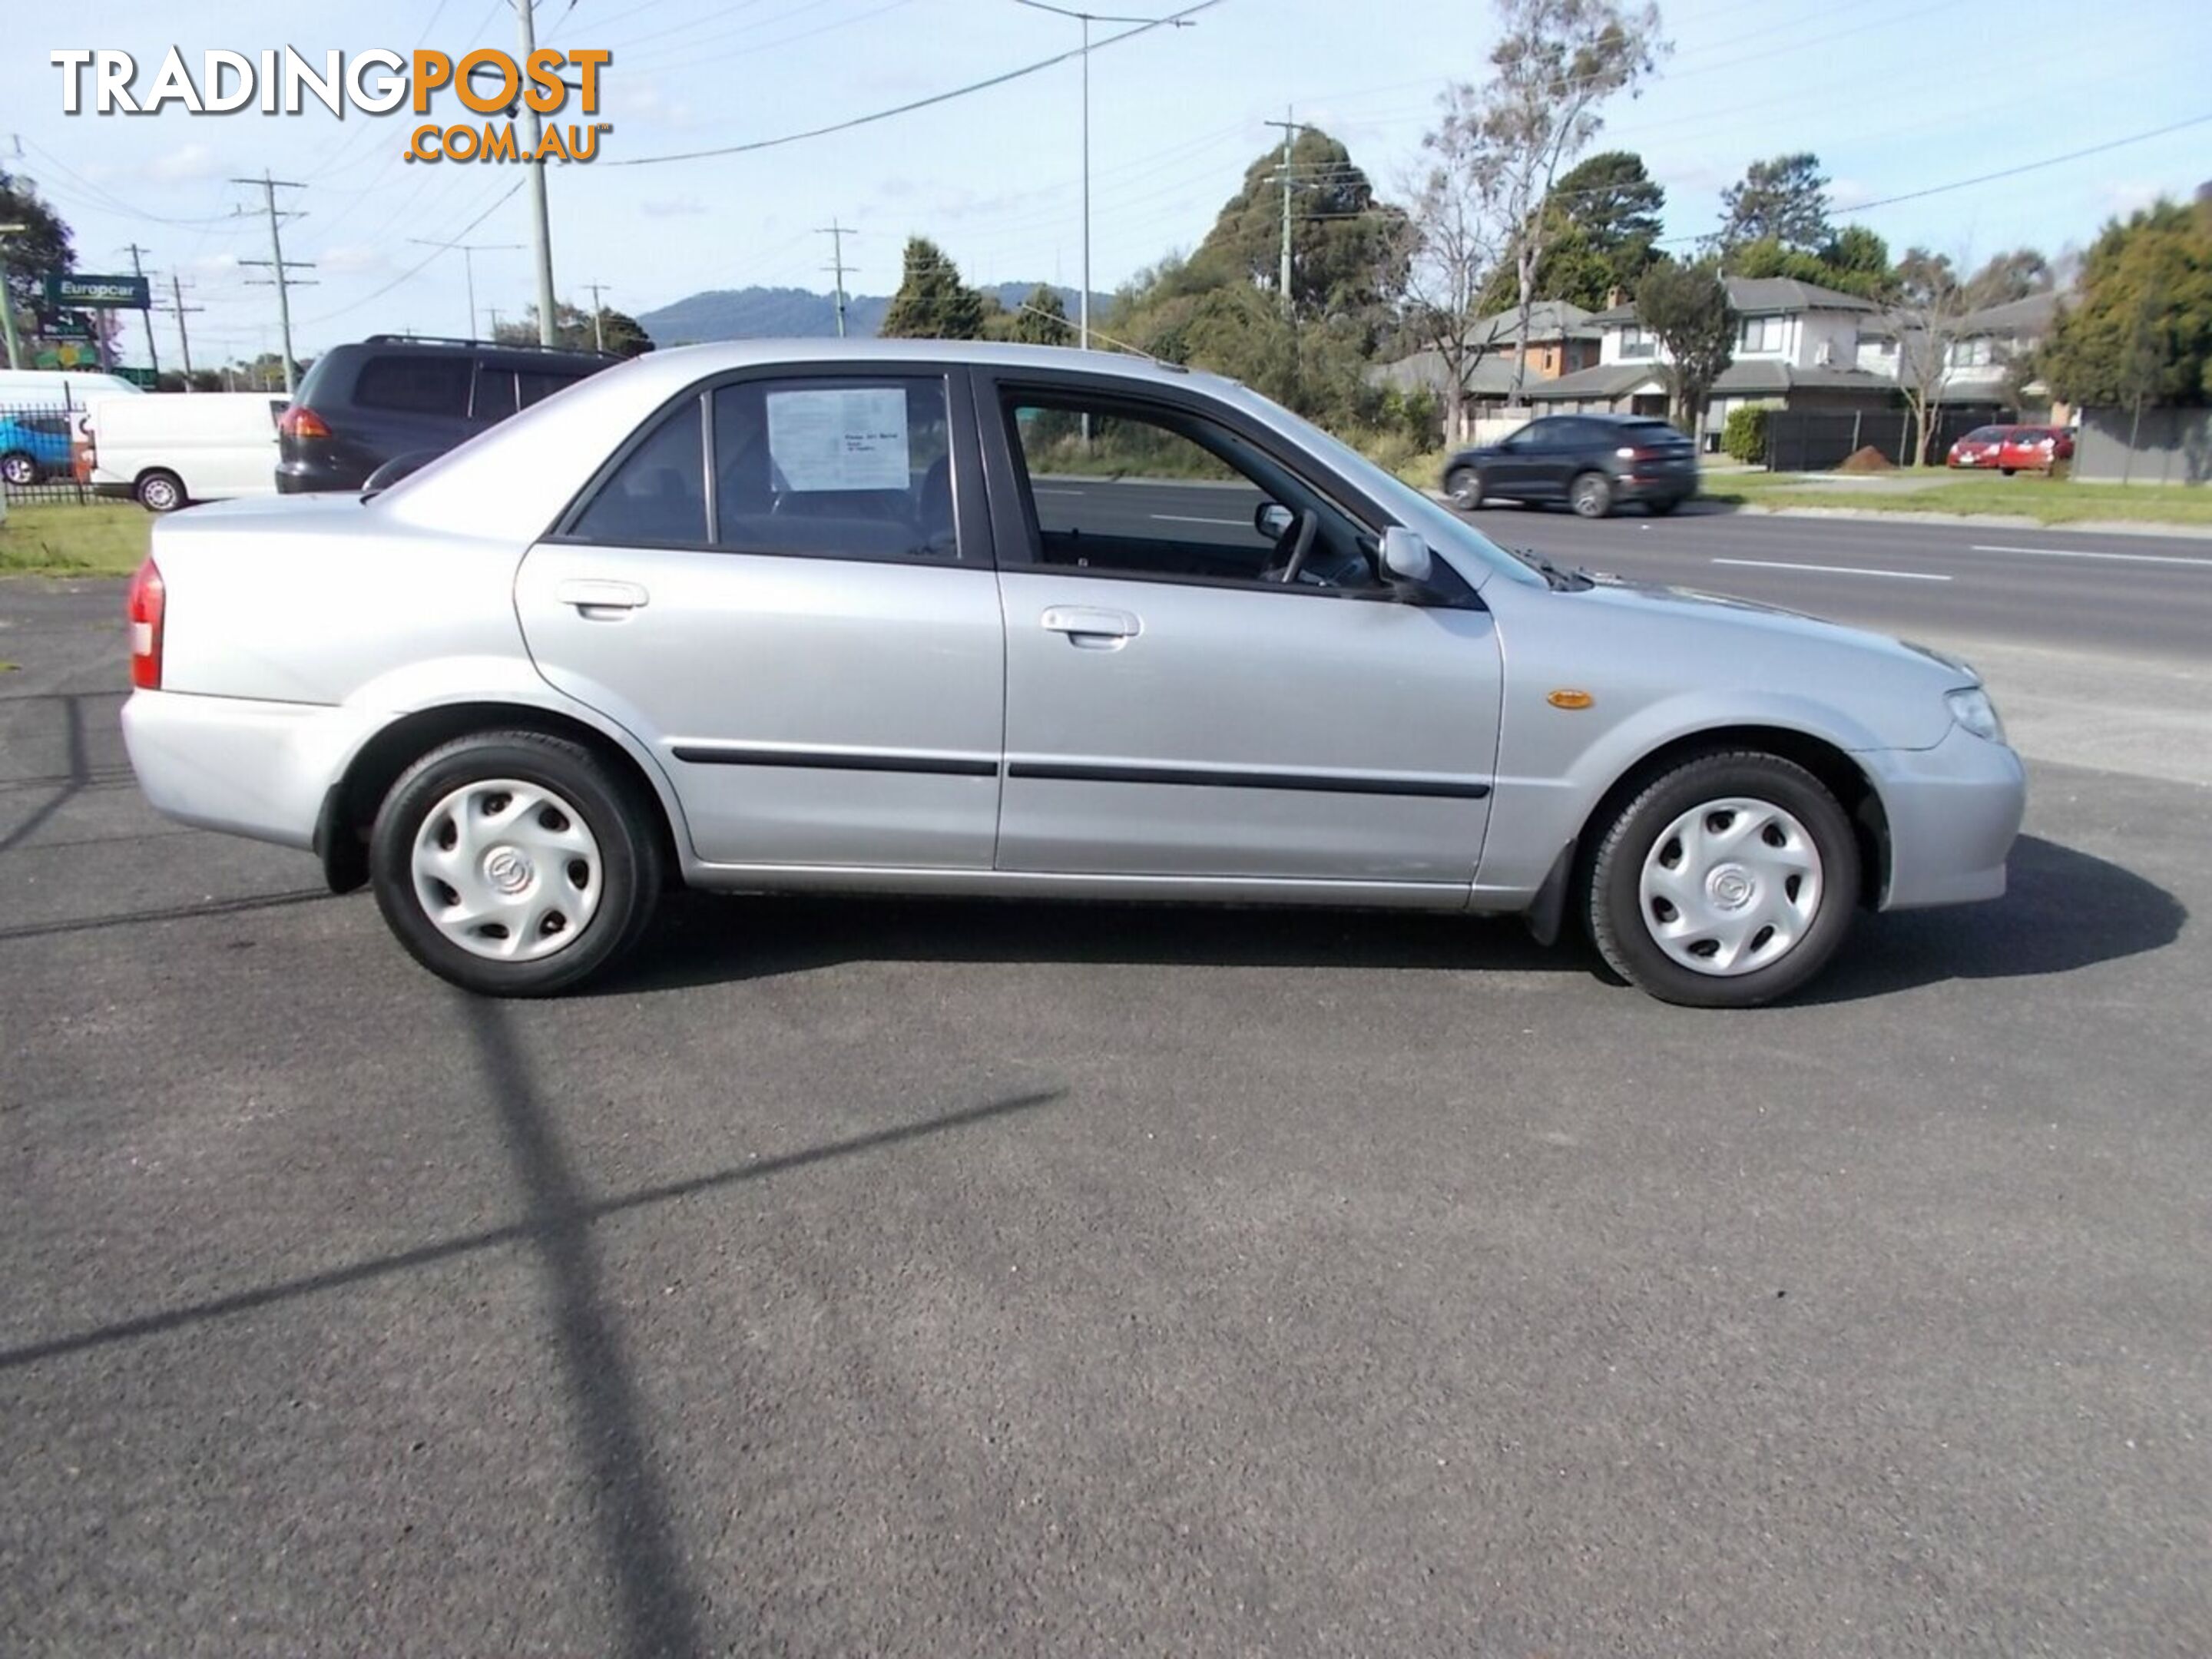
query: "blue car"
33, 447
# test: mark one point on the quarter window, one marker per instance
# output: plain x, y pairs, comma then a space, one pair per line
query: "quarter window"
657, 494
415, 384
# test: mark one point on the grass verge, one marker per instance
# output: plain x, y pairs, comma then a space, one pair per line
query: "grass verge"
2047, 501
64, 539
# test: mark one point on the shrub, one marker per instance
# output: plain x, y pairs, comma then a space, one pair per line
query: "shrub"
1744, 437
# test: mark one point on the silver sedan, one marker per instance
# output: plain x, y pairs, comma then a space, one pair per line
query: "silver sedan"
926, 618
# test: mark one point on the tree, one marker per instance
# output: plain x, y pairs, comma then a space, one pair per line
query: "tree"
1926, 305
1784, 200
1042, 320
1347, 249
573, 330
1605, 213
2140, 332
2009, 277
1452, 241
932, 303
1854, 260
1556, 64
42, 246
1686, 308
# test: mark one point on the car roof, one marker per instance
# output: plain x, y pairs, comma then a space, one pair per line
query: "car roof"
690, 362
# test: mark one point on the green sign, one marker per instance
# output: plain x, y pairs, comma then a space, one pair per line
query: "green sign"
113, 293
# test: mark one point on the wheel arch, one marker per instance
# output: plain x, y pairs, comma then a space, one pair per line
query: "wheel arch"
350, 807
1838, 773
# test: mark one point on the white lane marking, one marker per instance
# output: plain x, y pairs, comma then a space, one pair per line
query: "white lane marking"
1837, 569
1041, 490
2082, 553
1185, 518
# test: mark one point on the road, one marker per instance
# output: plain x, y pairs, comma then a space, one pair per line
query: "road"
951, 1278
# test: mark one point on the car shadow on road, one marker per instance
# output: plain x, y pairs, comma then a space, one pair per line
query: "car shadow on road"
2066, 909
2063, 909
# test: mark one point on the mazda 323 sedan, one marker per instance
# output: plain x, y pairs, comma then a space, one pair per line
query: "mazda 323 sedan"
955, 618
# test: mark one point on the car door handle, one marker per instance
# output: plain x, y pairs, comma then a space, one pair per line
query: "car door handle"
601, 601
1088, 626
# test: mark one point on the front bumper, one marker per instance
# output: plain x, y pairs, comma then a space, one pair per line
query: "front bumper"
1954, 811
235, 764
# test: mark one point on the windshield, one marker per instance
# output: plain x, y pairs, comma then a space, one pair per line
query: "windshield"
1413, 508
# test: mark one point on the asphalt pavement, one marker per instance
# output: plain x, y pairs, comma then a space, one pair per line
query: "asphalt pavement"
944, 1278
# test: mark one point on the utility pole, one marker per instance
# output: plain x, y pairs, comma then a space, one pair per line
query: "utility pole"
837, 234
492, 312
1291, 128
146, 313
7, 300
184, 339
469, 251
280, 268
1087, 18
599, 311
541, 226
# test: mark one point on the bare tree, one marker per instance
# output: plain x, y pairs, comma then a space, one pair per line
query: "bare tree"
1454, 236
1555, 65
1928, 302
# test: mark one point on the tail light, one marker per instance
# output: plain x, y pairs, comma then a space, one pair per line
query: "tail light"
300, 421
149, 600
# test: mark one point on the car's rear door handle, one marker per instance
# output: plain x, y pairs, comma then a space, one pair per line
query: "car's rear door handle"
602, 601
1091, 626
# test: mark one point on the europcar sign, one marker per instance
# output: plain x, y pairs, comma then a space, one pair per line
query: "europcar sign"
377, 82
68, 292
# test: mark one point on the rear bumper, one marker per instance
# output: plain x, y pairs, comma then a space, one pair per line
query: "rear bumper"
1655, 487
1954, 811
237, 765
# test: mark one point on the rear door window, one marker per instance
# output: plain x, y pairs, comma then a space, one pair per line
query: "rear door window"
415, 384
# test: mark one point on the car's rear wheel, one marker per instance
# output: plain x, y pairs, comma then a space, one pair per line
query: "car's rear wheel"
161, 492
1727, 881
2008, 471
1464, 486
19, 469
513, 864
1590, 496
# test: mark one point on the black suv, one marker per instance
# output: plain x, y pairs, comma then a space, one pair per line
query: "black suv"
393, 394
1593, 463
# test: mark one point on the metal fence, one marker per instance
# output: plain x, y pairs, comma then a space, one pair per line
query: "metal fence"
2164, 446
1805, 441
37, 458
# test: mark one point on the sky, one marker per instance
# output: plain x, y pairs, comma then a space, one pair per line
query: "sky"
1894, 98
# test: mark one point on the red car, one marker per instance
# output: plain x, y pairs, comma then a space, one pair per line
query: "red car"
2033, 449
1980, 447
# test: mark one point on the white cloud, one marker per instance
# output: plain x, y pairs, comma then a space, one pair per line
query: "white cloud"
352, 258
1849, 195
185, 162
672, 207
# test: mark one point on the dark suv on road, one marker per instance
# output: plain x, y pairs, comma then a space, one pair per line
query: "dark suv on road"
1594, 463
392, 395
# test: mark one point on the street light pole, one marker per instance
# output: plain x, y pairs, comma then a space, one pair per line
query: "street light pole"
1086, 19
468, 251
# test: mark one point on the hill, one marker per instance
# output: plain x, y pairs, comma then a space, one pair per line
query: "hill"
754, 313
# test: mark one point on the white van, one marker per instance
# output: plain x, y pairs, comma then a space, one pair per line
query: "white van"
58, 388
165, 451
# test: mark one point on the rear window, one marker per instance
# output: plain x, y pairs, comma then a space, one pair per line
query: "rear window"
415, 384
1650, 432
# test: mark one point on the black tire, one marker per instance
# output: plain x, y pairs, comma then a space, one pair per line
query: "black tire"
1663, 506
1613, 904
1590, 494
160, 491
1464, 485
630, 850
19, 469
2008, 471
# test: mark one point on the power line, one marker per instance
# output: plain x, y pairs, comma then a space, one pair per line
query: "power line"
415, 270
1041, 63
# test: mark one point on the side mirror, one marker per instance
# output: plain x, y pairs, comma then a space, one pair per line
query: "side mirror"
1272, 519
1405, 556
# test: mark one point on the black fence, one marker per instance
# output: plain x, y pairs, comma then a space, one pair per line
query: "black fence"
1805, 441
37, 451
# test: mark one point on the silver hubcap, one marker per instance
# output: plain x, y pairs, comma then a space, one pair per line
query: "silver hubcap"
1731, 886
507, 870
159, 493
1588, 497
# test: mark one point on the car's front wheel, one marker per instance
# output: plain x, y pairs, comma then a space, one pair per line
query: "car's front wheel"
19, 469
1727, 881
513, 863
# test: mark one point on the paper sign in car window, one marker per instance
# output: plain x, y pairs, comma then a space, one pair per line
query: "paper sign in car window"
846, 439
